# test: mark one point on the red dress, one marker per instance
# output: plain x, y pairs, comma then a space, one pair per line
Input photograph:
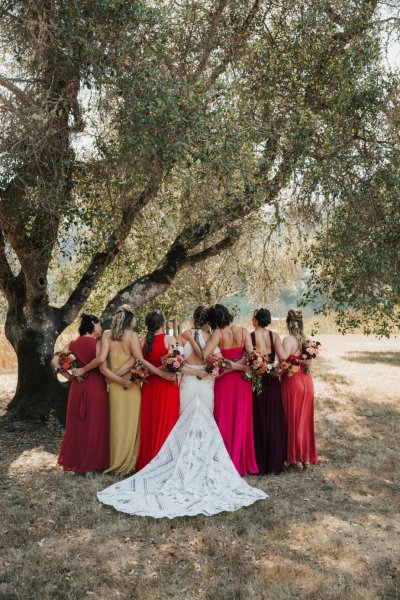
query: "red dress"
160, 407
298, 404
85, 446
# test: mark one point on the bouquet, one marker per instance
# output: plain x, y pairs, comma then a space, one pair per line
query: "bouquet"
214, 366
291, 365
68, 362
174, 360
259, 366
139, 373
310, 350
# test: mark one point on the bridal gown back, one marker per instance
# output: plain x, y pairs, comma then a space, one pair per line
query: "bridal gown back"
192, 473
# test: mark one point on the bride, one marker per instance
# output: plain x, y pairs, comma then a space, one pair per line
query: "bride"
192, 473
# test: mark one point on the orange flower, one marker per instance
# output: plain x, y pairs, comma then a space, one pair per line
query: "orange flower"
284, 366
295, 368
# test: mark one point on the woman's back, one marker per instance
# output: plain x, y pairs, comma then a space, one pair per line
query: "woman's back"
84, 348
157, 351
122, 346
263, 340
232, 336
292, 345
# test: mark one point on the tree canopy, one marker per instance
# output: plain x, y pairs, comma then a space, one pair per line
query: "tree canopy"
154, 131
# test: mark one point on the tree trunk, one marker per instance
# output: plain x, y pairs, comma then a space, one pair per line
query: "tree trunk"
38, 391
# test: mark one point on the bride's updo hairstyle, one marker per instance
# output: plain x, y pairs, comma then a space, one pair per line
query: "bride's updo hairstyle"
263, 317
87, 324
219, 316
153, 321
124, 319
200, 318
294, 322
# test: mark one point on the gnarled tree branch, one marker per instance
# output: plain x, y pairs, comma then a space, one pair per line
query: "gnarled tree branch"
101, 260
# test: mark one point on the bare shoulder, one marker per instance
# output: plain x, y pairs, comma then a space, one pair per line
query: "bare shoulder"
169, 339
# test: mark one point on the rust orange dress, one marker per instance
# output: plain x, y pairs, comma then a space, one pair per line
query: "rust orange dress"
298, 404
160, 407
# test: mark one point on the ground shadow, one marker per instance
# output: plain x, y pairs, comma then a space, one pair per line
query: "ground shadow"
388, 358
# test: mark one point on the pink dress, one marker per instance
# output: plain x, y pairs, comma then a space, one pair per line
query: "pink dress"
233, 412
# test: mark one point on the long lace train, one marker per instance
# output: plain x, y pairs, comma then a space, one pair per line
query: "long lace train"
192, 474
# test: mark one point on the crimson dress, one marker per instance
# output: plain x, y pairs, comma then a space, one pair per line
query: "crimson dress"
160, 407
269, 421
233, 412
85, 446
298, 403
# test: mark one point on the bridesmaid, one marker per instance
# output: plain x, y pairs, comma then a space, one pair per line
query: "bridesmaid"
268, 415
119, 345
233, 407
160, 395
298, 400
85, 446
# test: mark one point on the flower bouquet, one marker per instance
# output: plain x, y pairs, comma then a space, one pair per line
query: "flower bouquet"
174, 360
309, 351
214, 366
291, 365
259, 366
68, 362
139, 373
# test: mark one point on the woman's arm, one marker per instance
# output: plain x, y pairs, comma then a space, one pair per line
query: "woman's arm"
248, 344
100, 358
187, 335
280, 351
186, 370
111, 376
136, 350
287, 345
212, 343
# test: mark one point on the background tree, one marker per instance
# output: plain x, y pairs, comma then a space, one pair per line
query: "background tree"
196, 114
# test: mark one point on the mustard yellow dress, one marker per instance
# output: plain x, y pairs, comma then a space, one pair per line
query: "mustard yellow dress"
124, 421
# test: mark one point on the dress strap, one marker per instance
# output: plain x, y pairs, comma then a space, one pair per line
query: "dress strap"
253, 338
271, 340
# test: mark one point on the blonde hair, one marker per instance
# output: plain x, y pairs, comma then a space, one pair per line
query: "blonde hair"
124, 319
294, 322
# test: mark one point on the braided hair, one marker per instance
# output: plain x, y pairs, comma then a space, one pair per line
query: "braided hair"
124, 319
153, 321
200, 318
294, 322
87, 324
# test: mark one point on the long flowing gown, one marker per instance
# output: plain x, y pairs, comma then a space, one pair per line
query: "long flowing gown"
269, 421
233, 412
298, 404
160, 407
192, 474
124, 421
85, 446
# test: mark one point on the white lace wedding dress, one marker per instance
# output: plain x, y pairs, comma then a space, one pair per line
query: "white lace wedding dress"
193, 473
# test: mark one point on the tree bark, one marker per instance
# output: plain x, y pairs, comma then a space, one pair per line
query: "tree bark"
38, 390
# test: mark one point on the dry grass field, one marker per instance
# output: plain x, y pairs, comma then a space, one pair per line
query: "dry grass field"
331, 532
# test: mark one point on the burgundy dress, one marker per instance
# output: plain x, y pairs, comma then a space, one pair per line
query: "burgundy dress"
269, 421
85, 446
